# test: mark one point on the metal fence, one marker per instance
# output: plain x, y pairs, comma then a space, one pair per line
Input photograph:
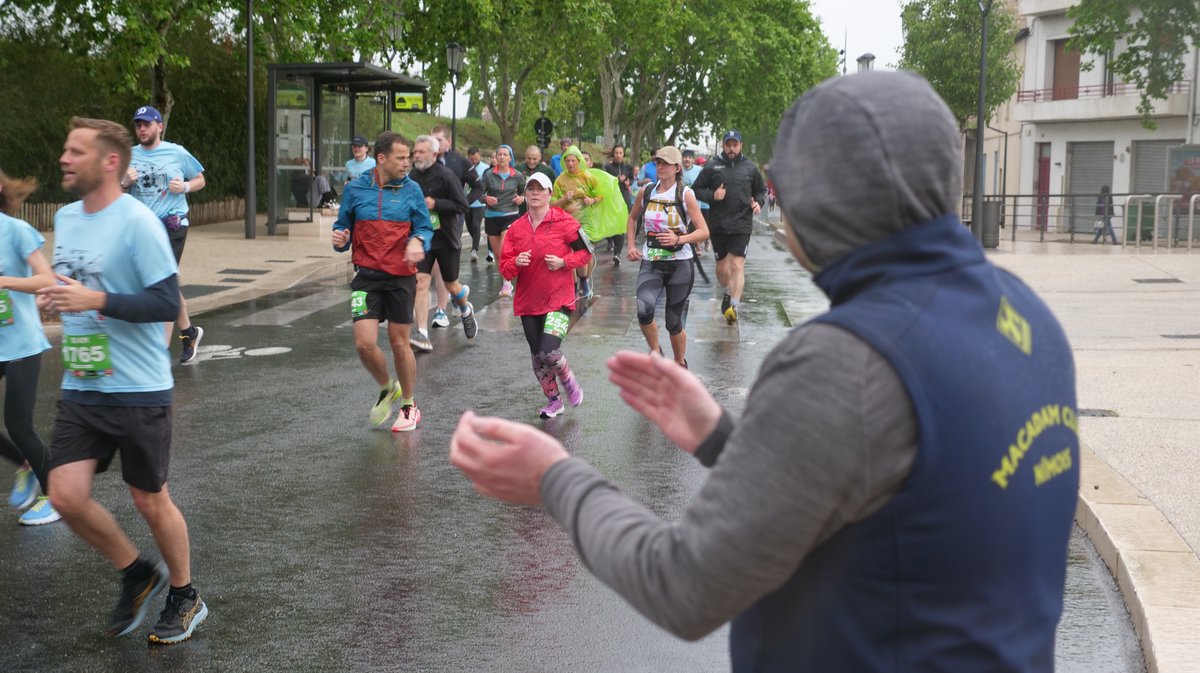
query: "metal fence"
41, 215
1137, 219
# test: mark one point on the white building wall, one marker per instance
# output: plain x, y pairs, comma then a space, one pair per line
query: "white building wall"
1122, 133
1083, 120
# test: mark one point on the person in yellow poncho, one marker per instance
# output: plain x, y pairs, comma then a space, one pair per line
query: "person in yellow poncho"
593, 197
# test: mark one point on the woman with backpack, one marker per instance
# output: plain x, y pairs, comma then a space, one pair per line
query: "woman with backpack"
671, 217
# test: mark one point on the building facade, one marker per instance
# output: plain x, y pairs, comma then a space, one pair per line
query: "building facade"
1080, 130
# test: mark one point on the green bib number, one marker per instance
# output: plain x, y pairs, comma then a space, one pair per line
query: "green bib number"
434, 220
86, 355
6, 309
557, 324
358, 304
660, 254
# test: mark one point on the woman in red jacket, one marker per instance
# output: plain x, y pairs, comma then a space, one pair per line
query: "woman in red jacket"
541, 251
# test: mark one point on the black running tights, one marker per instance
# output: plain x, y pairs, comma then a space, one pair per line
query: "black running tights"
20, 392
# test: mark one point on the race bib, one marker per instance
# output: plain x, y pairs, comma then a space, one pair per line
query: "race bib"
6, 309
86, 355
434, 220
660, 254
557, 324
358, 304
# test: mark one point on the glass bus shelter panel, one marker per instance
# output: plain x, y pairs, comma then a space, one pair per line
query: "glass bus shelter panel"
335, 135
293, 148
370, 115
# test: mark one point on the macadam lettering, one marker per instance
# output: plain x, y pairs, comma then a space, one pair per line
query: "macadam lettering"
1050, 467
1048, 416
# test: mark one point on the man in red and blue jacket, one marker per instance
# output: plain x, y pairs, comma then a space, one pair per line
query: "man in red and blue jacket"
383, 217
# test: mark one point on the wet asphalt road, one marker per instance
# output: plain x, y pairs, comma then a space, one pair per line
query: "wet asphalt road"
322, 545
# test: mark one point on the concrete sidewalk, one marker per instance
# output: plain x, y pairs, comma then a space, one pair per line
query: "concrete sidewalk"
1133, 318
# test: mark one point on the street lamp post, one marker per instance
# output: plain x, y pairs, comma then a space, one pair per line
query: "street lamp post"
251, 213
543, 100
579, 126
866, 62
985, 8
454, 63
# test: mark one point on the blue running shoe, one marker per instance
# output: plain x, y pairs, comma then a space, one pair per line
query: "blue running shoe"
440, 319
40, 514
24, 489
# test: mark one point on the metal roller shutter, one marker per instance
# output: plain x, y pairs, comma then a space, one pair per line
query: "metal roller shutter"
1150, 165
1089, 167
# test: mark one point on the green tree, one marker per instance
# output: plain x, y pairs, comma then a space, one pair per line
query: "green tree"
1144, 42
941, 41
137, 36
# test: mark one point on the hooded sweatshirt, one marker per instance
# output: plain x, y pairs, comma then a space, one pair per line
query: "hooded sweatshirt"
863, 512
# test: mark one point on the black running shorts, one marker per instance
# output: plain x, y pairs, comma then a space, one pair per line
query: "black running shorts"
141, 434
494, 226
729, 244
447, 261
388, 297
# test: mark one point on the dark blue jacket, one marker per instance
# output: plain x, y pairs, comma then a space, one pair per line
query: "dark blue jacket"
963, 569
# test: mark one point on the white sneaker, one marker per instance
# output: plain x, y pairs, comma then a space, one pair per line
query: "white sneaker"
440, 319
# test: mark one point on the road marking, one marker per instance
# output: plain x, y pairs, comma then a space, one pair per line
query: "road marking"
223, 352
289, 312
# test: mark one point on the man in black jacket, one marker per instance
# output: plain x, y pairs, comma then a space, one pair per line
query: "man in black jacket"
735, 192
447, 204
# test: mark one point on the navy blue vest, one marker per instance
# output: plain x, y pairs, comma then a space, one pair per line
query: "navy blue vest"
963, 569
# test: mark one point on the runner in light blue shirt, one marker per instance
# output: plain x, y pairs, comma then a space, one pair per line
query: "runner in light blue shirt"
23, 271
691, 171
160, 175
361, 163
116, 283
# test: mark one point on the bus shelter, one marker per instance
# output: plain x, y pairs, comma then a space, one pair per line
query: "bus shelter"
314, 111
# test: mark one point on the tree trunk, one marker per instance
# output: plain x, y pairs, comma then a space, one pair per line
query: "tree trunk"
160, 95
612, 94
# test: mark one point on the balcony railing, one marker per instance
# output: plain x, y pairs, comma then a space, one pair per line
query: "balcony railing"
1091, 91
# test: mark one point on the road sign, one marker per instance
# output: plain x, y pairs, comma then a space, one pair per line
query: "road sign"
543, 127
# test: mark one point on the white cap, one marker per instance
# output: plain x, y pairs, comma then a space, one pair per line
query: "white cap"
539, 178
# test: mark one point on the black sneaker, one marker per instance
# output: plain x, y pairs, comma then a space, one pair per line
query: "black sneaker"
190, 343
616, 261
178, 619
135, 600
468, 321
726, 302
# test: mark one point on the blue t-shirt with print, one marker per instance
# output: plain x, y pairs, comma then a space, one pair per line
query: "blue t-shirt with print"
355, 168
21, 333
155, 169
121, 249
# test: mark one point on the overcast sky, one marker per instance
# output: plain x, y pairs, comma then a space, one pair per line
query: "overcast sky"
863, 26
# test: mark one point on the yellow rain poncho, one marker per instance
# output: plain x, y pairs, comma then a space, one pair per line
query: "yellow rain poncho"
607, 215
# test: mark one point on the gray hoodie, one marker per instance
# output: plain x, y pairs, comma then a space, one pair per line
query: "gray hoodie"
828, 434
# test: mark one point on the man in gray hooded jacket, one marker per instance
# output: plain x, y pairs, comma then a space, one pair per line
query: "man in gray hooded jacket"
899, 491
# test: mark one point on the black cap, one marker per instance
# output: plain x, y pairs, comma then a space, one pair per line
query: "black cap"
359, 141
689, 153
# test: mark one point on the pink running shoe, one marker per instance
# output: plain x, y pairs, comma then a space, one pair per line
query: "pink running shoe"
506, 290
574, 390
407, 420
553, 408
